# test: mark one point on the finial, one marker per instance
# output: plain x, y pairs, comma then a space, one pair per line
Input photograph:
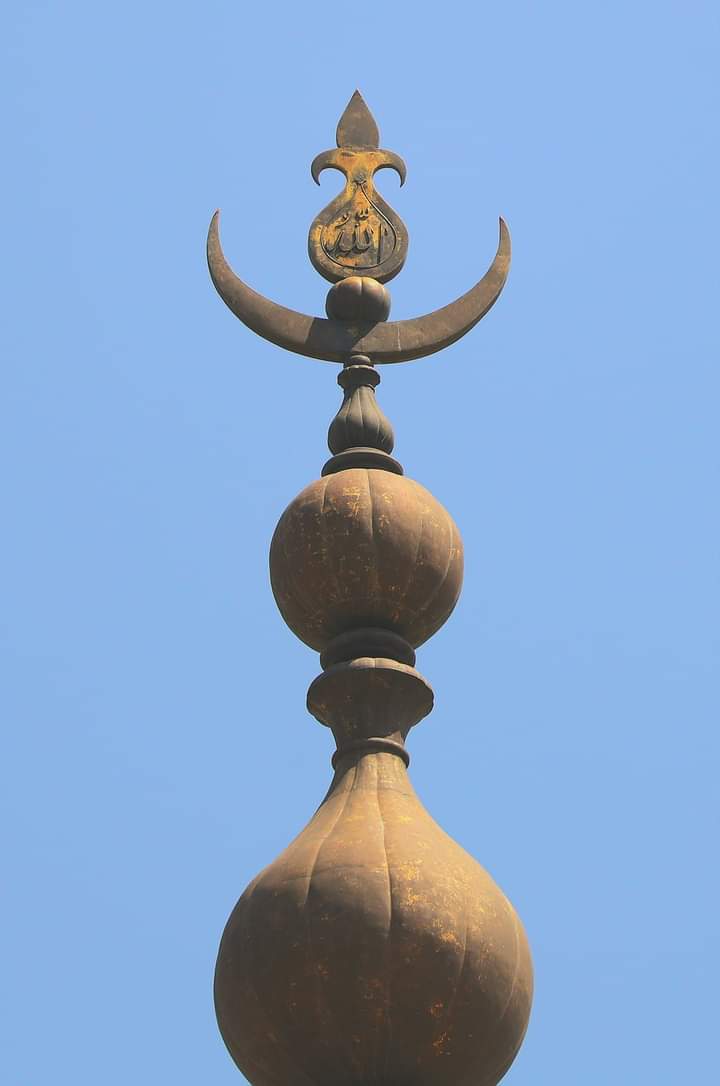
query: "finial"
373, 949
358, 233
358, 242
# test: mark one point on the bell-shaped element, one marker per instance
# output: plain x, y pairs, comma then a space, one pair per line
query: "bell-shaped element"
360, 421
373, 950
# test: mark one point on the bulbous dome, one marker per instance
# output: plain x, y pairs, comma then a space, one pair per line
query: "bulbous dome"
364, 547
373, 950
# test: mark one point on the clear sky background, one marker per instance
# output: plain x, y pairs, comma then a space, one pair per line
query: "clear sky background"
156, 748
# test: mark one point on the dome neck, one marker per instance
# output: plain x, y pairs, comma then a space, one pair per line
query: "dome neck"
370, 703
372, 770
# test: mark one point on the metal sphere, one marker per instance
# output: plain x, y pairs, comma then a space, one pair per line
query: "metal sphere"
358, 298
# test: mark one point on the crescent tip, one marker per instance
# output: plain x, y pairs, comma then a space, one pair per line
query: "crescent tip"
215, 256
213, 227
504, 242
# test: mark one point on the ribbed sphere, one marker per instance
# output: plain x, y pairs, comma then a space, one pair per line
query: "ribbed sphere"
374, 950
365, 547
358, 298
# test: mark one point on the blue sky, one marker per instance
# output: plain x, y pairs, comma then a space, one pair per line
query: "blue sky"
157, 752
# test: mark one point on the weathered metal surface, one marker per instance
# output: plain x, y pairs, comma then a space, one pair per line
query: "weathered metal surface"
360, 422
335, 341
373, 641
369, 698
358, 299
365, 548
373, 950
358, 233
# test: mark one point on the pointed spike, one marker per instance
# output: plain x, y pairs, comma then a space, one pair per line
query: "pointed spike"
357, 127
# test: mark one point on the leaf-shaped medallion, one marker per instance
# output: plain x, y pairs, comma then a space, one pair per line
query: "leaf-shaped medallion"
358, 233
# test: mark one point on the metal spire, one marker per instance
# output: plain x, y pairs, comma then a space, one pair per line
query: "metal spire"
373, 950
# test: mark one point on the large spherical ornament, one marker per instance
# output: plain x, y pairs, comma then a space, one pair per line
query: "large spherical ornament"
374, 950
365, 547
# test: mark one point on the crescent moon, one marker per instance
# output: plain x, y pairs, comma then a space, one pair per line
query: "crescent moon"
333, 341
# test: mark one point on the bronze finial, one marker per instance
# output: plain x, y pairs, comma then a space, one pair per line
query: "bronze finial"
358, 234
373, 950
357, 242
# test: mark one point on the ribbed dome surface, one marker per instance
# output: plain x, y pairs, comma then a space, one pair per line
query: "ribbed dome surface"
364, 547
373, 950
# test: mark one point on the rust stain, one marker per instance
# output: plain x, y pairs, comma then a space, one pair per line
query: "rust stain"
440, 1043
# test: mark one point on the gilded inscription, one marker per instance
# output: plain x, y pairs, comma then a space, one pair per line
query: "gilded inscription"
360, 237
358, 233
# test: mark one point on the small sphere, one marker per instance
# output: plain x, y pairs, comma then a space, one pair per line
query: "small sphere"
365, 548
358, 298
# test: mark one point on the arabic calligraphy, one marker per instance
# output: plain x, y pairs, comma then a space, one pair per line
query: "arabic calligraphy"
358, 233
359, 236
